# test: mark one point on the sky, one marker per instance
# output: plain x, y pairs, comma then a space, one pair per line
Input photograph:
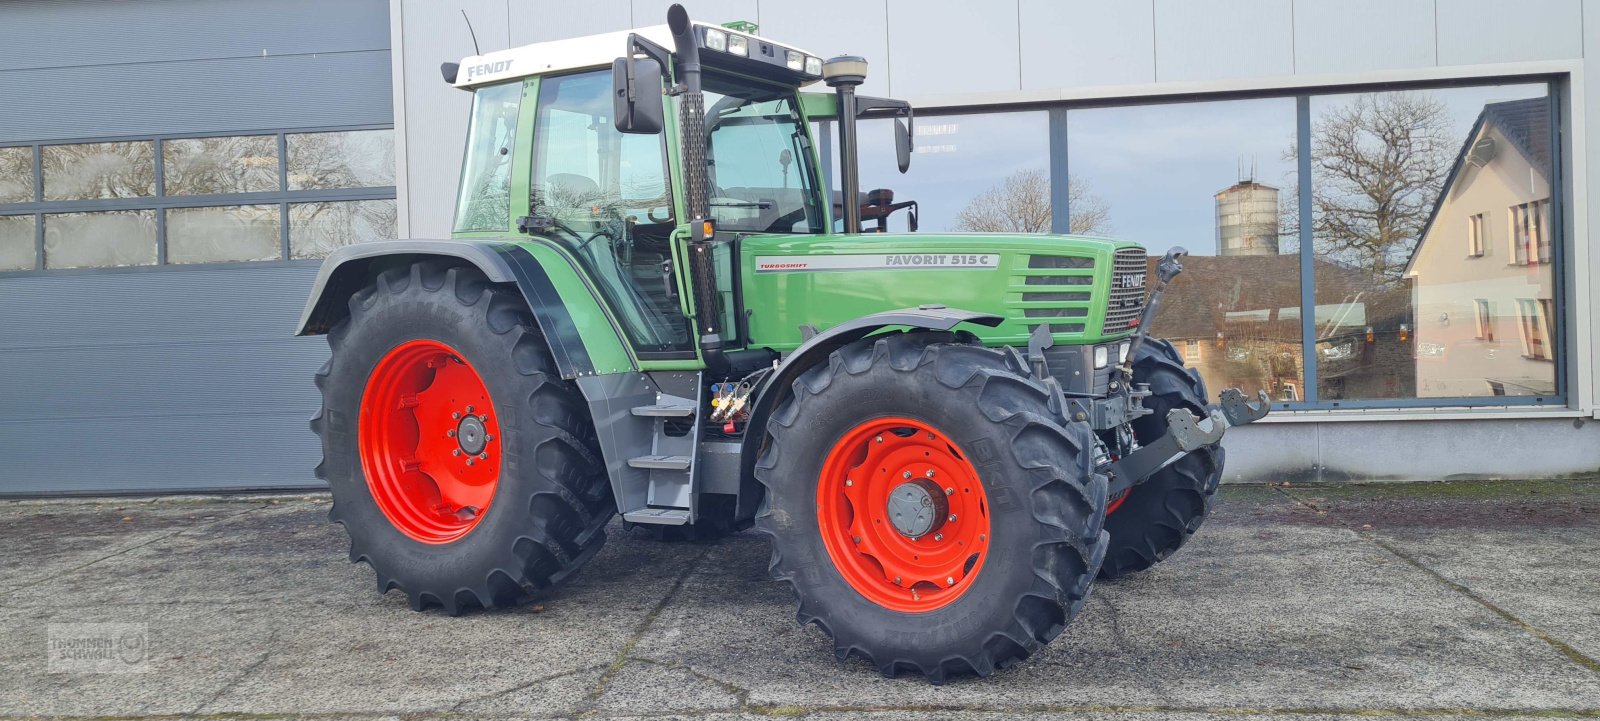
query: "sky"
1157, 167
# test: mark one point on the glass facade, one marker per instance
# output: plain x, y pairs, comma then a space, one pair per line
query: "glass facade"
183, 200
1385, 248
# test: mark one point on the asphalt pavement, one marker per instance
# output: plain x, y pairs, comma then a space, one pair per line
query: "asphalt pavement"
1421, 600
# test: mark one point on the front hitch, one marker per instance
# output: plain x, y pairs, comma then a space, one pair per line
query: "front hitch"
1184, 435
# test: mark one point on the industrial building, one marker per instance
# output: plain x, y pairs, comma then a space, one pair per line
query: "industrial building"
1417, 309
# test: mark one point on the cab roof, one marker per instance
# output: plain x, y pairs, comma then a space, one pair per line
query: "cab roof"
569, 54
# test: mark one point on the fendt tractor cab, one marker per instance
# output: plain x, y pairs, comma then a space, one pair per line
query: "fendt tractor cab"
652, 307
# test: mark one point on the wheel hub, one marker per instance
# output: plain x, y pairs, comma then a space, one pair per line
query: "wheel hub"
917, 508
471, 435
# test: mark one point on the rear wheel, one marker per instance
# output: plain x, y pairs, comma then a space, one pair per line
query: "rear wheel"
929, 507
462, 466
1155, 518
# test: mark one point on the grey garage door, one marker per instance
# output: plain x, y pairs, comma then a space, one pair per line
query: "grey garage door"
169, 171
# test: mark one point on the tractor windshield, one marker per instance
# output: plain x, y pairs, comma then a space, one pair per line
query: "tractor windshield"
761, 174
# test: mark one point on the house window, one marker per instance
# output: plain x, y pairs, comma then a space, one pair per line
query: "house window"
1475, 236
1191, 352
1530, 239
1533, 323
1291, 393
1485, 318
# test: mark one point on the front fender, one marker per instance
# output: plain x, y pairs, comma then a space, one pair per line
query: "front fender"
816, 350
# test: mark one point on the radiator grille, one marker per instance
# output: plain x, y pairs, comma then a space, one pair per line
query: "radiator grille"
1127, 290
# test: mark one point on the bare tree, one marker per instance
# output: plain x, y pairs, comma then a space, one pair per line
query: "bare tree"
1378, 164
1021, 204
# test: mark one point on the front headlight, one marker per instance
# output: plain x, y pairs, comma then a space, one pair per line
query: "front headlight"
1102, 356
716, 40
738, 44
794, 60
1122, 353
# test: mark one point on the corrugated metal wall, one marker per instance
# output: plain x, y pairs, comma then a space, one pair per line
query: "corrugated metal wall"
171, 378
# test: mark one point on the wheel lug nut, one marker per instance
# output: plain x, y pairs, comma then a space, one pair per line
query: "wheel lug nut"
856, 539
929, 474
879, 439
450, 433
906, 474
938, 536
952, 518
469, 461
949, 580
848, 482
455, 416
983, 536
469, 409
949, 491
455, 451
484, 455
488, 437
896, 580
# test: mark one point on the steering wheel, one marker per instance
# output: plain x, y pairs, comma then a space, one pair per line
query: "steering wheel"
651, 214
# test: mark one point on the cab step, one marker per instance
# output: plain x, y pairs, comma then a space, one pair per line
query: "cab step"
658, 516
664, 463
665, 410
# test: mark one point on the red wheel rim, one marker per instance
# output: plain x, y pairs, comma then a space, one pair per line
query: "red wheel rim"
895, 459
429, 441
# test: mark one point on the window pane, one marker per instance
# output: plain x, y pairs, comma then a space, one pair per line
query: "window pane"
353, 159
199, 166
100, 240
485, 193
755, 137
226, 234
1213, 178
99, 170
317, 229
986, 172
16, 175
1402, 311
16, 242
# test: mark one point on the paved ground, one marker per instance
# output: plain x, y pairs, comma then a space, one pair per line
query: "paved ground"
1447, 601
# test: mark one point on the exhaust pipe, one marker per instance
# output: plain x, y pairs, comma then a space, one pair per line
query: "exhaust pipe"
844, 74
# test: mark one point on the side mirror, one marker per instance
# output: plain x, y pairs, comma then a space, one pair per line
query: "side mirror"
902, 144
636, 95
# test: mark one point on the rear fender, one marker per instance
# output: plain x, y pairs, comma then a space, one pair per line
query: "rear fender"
557, 293
816, 350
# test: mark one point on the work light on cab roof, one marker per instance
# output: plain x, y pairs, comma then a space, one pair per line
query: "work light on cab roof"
654, 305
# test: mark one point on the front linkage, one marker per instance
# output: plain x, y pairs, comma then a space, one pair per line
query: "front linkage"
1124, 403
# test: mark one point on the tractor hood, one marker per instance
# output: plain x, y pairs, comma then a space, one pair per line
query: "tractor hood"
1086, 289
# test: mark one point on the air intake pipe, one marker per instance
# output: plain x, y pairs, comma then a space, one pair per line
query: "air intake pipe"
696, 187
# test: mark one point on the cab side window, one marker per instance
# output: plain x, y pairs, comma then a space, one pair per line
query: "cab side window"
609, 201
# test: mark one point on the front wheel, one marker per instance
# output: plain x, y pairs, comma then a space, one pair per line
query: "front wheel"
929, 507
1152, 520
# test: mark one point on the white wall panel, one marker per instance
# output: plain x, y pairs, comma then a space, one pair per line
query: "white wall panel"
435, 121
1198, 41
864, 31
1352, 36
941, 47
1070, 43
654, 12
1472, 32
536, 22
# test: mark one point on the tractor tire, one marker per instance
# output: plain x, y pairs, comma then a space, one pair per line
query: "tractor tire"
1155, 518
464, 469
999, 533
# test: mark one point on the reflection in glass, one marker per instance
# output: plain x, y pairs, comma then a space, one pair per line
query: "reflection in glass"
982, 172
224, 234
1434, 243
1209, 177
199, 166
485, 195
16, 242
317, 229
92, 171
16, 175
350, 159
108, 239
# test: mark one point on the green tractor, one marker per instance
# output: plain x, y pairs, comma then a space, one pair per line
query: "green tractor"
651, 306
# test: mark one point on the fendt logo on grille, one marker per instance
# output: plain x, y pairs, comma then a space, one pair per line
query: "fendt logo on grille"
1132, 280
